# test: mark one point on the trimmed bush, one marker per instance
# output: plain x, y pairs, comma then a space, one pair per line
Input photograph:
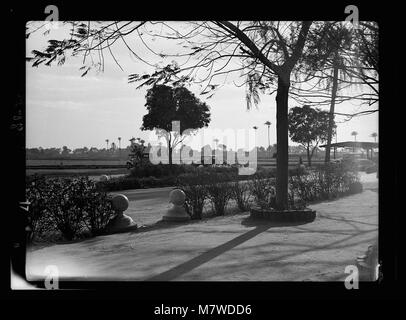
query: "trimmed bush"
355, 187
371, 169
326, 182
159, 170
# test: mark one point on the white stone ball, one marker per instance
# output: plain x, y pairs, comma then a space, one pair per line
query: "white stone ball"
177, 197
104, 177
120, 202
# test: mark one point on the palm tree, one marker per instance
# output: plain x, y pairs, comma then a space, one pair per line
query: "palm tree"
374, 135
255, 128
216, 141
268, 123
119, 143
354, 133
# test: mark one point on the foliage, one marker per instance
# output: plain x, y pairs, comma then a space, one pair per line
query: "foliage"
326, 182
136, 156
166, 104
70, 206
159, 170
308, 126
36, 193
163, 176
241, 194
219, 192
263, 190
129, 182
194, 187
371, 169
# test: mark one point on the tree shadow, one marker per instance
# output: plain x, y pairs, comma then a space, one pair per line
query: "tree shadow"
251, 222
209, 255
259, 227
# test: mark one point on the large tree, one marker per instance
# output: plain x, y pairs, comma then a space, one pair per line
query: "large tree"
265, 54
308, 126
339, 60
166, 104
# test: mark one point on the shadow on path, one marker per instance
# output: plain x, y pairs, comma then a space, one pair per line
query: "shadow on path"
209, 255
260, 226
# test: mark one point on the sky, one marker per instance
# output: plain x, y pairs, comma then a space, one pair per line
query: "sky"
65, 109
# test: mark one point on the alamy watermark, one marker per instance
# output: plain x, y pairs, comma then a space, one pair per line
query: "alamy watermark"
51, 277
52, 19
247, 160
353, 16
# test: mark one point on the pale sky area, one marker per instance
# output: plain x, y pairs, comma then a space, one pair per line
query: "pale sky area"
63, 108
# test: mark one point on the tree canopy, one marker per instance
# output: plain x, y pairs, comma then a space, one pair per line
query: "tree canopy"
308, 126
166, 104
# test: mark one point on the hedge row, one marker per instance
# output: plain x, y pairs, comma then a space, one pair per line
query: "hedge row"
73, 208
133, 182
325, 182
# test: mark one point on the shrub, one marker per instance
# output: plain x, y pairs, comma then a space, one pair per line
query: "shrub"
37, 194
263, 190
212, 183
371, 169
355, 187
62, 209
70, 206
325, 182
159, 170
219, 192
194, 187
129, 182
119, 183
240, 192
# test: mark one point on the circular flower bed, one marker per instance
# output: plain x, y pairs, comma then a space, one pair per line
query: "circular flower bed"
304, 215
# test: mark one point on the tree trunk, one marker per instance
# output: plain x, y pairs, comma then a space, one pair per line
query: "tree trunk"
170, 155
309, 158
331, 116
282, 156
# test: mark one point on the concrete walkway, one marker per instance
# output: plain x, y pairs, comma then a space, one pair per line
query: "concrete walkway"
229, 248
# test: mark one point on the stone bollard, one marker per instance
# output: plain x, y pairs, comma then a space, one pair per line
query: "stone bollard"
121, 222
177, 213
104, 177
367, 264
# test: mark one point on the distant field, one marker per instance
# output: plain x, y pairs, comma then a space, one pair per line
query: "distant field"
91, 173
73, 162
76, 167
95, 168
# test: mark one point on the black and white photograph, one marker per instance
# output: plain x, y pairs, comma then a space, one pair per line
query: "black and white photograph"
200, 151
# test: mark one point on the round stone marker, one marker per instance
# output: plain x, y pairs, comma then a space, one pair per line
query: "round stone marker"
120, 202
177, 197
121, 222
177, 213
104, 177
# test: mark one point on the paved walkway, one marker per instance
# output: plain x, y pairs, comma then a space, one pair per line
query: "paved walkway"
226, 248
